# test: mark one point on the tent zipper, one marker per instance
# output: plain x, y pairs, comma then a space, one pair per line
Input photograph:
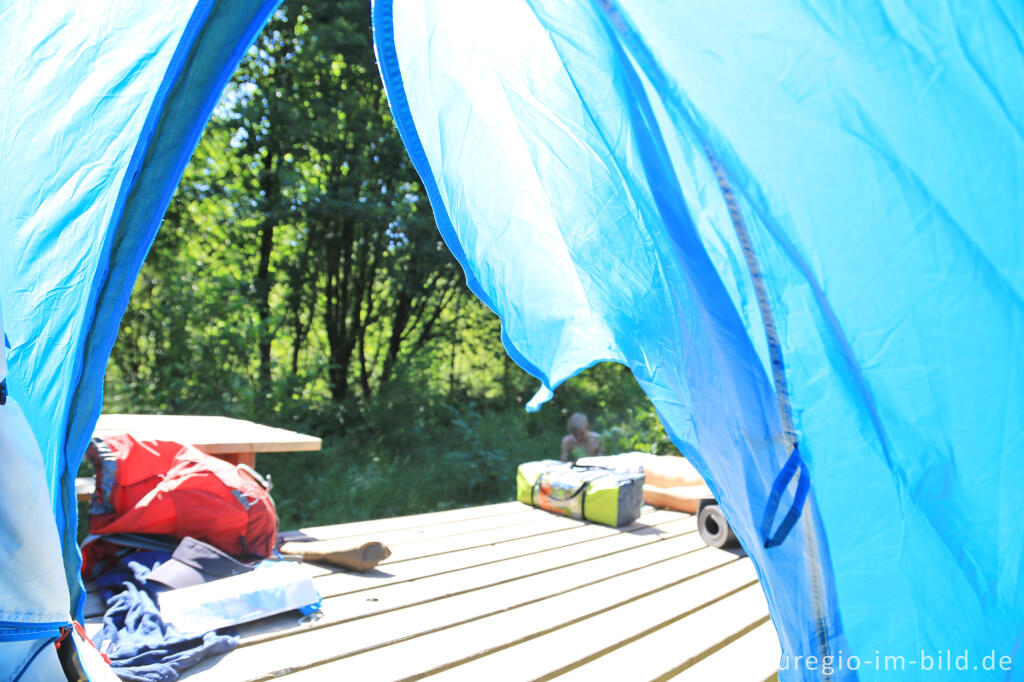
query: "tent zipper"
14, 631
619, 24
781, 386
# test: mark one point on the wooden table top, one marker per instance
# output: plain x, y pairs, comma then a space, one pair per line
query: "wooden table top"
212, 435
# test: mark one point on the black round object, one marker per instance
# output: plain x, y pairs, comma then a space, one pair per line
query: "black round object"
713, 527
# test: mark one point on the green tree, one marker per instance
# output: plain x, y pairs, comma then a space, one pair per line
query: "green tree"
299, 280
326, 157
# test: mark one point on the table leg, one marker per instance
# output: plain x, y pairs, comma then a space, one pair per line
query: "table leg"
239, 458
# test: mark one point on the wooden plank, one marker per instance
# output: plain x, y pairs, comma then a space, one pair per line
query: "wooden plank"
95, 606
579, 650
476, 552
666, 648
754, 656
461, 545
548, 523
211, 434
389, 597
542, 524
681, 583
486, 563
409, 641
411, 543
417, 569
344, 530
454, 524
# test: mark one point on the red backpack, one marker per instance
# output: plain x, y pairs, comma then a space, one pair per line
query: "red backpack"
166, 488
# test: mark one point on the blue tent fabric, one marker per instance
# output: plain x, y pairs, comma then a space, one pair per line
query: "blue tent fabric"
33, 591
799, 225
105, 105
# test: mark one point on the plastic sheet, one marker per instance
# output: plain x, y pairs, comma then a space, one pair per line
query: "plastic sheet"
273, 587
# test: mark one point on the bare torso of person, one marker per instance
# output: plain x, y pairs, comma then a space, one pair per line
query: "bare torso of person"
589, 445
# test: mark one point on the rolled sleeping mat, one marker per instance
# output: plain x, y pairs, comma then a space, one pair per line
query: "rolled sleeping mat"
713, 527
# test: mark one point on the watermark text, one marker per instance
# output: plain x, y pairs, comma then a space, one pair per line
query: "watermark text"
939, 660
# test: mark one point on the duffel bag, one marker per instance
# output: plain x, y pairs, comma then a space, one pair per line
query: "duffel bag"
609, 496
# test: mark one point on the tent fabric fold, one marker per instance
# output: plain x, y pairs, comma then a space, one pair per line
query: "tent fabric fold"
33, 592
108, 104
776, 213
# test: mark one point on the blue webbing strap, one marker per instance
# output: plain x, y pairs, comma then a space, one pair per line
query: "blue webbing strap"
793, 466
3, 384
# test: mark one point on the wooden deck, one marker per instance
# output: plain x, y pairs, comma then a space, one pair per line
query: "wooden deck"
506, 592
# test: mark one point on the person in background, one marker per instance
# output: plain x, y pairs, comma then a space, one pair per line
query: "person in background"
580, 438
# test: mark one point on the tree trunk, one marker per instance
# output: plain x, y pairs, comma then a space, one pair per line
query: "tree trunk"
263, 284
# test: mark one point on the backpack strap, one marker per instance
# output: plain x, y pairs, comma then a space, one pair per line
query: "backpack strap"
266, 483
104, 465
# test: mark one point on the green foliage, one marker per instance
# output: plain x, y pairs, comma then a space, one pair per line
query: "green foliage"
416, 450
299, 280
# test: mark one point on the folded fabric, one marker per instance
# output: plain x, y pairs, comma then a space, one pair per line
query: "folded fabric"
194, 562
339, 552
140, 645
